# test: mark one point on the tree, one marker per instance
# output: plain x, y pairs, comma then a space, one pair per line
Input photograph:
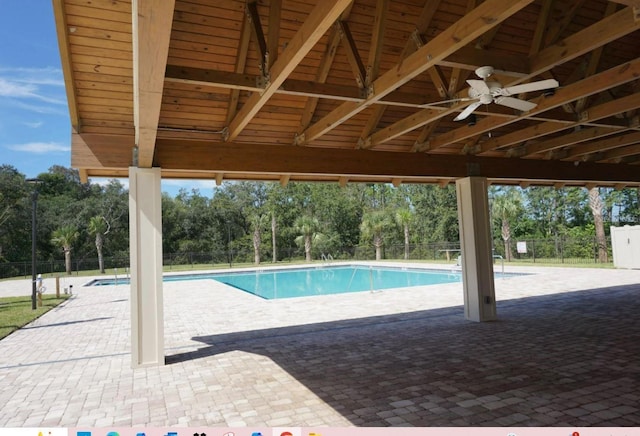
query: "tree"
373, 226
595, 203
504, 209
404, 217
65, 237
308, 229
258, 222
99, 227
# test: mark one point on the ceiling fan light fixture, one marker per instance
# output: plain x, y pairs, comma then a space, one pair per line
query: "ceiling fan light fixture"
471, 120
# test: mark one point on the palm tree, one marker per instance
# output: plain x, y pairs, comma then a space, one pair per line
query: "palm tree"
504, 209
404, 218
98, 226
373, 227
64, 237
258, 222
308, 227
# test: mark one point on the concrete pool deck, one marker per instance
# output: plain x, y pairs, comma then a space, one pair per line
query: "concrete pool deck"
564, 352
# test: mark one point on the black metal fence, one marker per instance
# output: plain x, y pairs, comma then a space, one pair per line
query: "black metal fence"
555, 251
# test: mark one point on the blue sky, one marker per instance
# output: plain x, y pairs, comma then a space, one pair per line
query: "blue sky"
35, 131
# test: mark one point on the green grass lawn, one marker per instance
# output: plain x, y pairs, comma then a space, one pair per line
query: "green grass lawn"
16, 312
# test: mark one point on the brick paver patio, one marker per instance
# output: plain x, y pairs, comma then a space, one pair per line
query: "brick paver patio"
565, 351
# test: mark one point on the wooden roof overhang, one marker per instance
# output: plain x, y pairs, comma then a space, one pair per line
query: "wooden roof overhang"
339, 90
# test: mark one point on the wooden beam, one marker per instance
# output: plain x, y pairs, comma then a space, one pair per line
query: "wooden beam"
377, 38
565, 140
456, 75
484, 17
357, 67
504, 64
219, 178
323, 70
560, 23
273, 38
604, 31
629, 150
316, 24
241, 61
65, 60
321, 75
110, 155
594, 60
251, 10
603, 145
315, 162
284, 180
414, 42
151, 23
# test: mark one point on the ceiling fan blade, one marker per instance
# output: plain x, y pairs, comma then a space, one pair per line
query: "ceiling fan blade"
515, 103
479, 85
529, 87
467, 111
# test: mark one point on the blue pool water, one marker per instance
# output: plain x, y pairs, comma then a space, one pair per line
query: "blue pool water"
303, 282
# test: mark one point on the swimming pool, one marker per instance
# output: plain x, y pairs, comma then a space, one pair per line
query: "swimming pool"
303, 282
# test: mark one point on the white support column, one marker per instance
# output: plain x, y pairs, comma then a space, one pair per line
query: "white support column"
475, 244
145, 242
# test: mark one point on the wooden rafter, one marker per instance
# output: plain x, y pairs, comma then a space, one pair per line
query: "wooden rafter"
594, 61
414, 42
357, 66
602, 145
324, 68
564, 140
377, 38
258, 35
152, 20
469, 27
273, 38
241, 61
65, 56
320, 19
561, 21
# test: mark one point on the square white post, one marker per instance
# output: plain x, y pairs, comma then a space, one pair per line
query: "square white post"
145, 243
475, 244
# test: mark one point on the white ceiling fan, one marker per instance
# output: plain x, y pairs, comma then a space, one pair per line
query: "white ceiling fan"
485, 92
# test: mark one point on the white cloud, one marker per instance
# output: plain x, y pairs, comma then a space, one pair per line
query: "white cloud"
38, 90
33, 124
40, 147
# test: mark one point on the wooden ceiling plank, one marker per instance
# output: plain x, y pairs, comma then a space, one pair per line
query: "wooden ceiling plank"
468, 28
251, 10
151, 23
594, 84
241, 62
314, 27
273, 37
67, 66
358, 68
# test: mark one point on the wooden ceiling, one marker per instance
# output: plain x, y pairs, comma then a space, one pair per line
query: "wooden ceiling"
347, 91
